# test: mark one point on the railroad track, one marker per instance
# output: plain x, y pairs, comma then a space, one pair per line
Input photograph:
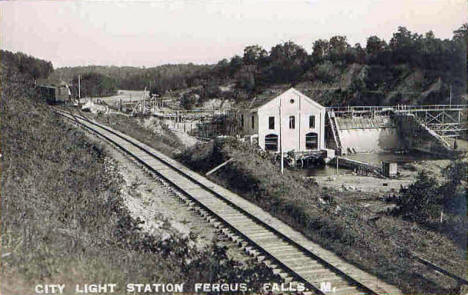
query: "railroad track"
289, 254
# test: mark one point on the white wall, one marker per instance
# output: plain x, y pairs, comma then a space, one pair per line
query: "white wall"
366, 135
370, 140
301, 108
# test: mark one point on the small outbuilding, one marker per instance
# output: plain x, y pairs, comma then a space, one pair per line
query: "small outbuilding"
290, 119
389, 169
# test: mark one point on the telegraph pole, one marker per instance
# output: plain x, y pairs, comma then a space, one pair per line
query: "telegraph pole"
79, 87
281, 139
450, 95
337, 165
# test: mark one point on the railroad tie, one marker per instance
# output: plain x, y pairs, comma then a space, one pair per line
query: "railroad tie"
237, 219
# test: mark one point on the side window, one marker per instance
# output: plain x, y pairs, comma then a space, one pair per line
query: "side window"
311, 121
253, 121
242, 120
271, 122
292, 122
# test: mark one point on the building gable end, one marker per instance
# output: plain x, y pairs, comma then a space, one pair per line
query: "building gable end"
286, 94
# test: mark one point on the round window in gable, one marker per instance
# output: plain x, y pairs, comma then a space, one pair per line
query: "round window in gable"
292, 100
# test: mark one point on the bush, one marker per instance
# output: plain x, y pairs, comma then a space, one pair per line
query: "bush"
421, 201
424, 200
189, 100
441, 207
379, 247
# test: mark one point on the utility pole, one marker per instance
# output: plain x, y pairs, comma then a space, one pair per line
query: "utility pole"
337, 166
79, 87
281, 138
450, 95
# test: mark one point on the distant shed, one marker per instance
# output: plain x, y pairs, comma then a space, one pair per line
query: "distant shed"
389, 169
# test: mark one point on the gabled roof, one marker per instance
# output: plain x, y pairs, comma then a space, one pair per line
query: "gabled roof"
269, 95
265, 97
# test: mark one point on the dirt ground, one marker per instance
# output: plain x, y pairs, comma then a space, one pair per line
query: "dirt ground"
368, 192
155, 125
163, 213
350, 182
462, 145
347, 181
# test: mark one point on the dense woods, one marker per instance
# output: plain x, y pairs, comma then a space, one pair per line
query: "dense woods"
410, 68
94, 84
28, 67
160, 79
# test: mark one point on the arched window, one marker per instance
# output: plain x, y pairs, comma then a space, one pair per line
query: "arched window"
311, 140
271, 142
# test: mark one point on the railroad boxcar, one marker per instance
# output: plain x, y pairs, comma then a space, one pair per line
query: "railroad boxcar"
54, 94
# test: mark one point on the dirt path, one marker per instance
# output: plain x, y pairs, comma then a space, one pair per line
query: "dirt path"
156, 204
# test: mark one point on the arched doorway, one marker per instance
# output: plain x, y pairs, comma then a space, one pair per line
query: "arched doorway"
271, 142
311, 141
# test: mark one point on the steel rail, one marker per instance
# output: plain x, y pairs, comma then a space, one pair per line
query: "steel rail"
252, 229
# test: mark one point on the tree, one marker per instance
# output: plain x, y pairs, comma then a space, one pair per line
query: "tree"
405, 47
235, 63
222, 69
288, 51
402, 38
254, 54
246, 79
338, 46
359, 53
287, 62
461, 33
28, 66
95, 85
454, 193
456, 172
460, 38
189, 100
321, 49
375, 45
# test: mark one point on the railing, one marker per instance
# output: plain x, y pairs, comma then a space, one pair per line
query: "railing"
358, 109
335, 131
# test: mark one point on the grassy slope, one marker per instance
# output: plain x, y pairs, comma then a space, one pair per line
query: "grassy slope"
379, 247
166, 142
63, 219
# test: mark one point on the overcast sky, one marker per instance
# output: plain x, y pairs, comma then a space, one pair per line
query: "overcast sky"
149, 33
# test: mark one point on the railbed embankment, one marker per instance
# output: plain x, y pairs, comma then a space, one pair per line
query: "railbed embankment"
326, 216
